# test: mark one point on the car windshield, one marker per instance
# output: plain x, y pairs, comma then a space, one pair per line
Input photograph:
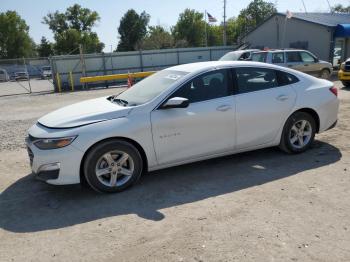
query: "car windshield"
230, 57
150, 87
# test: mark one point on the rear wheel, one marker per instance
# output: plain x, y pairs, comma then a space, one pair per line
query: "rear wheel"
298, 133
112, 166
325, 73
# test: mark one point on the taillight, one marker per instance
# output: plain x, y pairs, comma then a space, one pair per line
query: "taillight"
334, 90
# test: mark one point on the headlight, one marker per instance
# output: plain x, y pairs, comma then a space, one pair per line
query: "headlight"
342, 66
54, 143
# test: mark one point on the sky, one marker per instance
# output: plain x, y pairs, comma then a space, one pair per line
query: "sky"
163, 12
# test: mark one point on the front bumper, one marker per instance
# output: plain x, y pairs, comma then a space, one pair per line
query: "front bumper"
343, 75
57, 166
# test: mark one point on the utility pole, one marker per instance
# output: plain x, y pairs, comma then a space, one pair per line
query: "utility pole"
224, 36
82, 61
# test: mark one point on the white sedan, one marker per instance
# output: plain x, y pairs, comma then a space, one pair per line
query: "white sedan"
180, 115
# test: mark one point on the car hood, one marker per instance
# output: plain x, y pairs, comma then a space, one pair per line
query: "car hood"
84, 113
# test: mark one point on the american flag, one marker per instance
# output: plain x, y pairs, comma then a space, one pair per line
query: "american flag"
211, 18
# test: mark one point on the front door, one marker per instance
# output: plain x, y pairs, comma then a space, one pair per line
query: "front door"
205, 127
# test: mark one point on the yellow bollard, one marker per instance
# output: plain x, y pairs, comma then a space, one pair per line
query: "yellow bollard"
71, 81
58, 79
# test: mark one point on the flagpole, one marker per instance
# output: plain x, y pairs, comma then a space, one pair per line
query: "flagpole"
206, 35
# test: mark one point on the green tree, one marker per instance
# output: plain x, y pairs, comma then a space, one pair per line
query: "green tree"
45, 48
73, 28
256, 12
15, 41
132, 30
190, 27
214, 35
341, 9
157, 38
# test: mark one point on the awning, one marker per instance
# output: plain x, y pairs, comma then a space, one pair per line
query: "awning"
342, 30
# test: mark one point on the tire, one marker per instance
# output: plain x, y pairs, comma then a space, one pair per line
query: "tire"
291, 132
112, 159
325, 74
345, 83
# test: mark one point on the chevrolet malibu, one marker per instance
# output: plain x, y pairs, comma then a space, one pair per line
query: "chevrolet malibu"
179, 115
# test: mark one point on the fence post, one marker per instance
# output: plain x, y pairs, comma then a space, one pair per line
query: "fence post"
104, 67
178, 56
210, 56
58, 80
141, 61
25, 66
71, 81
82, 61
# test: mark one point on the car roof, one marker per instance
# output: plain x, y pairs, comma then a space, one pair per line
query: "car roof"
280, 50
203, 66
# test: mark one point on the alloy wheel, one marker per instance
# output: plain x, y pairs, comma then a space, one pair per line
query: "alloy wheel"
114, 168
300, 134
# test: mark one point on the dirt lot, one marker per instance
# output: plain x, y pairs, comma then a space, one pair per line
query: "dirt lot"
257, 206
23, 87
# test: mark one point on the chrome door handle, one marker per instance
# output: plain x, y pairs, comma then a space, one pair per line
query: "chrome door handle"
282, 97
223, 108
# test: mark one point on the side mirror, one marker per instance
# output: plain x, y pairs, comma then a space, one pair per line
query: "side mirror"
317, 60
176, 102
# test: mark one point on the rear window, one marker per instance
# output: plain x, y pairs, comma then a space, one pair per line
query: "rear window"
259, 57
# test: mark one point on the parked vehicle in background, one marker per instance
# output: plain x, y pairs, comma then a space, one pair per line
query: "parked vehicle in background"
21, 76
344, 73
300, 60
238, 55
179, 115
4, 77
46, 72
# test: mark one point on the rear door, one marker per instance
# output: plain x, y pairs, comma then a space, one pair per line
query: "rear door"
264, 100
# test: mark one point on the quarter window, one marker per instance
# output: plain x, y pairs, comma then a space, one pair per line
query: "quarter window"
284, 78
251, 79
293, 57
277, 58
207, 86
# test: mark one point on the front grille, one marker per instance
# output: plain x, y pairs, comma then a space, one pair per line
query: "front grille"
347, 66
31, 155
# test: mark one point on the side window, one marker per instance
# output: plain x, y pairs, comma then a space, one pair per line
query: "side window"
307, 58
208, 86
259, 57
277, 58
250, 79
293, 57
284, 78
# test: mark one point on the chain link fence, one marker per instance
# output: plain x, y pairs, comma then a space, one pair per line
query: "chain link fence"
24, 76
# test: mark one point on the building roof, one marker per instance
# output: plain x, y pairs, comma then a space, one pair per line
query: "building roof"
327, 19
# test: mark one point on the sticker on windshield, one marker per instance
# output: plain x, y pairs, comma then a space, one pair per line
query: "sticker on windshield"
173, 77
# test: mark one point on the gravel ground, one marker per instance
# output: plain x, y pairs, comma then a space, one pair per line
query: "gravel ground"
257, 206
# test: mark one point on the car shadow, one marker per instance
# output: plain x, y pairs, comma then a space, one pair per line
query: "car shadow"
30, 206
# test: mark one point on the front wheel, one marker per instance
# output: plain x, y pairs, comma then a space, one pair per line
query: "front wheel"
298, 133
112, 166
